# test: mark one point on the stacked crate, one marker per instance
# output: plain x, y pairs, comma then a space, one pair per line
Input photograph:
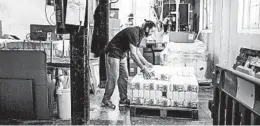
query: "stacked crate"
170, 87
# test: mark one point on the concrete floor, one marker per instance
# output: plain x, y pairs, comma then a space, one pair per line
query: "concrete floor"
102, 116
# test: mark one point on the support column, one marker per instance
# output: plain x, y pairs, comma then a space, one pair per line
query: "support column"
77, 78
79, 62
105, 35
80, 81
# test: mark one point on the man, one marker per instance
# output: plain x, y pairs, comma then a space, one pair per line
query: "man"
126, 40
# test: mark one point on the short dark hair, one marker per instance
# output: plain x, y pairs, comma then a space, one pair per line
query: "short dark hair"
149, 24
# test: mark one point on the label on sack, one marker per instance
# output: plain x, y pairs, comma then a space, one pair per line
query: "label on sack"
149, 102
136, 101
162, 102
186, 104
194, 105
136, 86
194, 88
173, 103
179, 103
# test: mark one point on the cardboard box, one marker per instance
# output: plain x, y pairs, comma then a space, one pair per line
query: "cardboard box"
181, 37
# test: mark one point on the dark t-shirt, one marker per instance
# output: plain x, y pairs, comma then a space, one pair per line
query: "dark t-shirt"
120, 44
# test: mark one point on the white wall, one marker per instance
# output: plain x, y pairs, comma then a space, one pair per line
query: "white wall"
17, 15
140, 8
225, 42
143, 11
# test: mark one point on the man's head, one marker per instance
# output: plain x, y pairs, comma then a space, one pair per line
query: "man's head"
149, 27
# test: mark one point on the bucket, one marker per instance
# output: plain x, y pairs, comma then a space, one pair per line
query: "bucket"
64, 103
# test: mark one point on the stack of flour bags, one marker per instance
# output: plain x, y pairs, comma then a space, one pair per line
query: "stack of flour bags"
170, 86
186, 54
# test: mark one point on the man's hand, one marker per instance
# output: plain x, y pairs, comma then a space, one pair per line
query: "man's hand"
147, 74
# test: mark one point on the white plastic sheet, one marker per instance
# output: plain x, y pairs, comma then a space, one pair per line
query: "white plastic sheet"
186, 54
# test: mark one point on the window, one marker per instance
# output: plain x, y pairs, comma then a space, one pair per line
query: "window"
248, 16
206, 14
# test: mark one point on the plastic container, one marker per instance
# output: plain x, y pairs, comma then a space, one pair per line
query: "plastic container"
64, 103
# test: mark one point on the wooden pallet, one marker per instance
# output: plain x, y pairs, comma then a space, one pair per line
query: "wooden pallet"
163, 112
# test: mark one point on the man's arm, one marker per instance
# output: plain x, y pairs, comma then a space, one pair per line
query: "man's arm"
141, 57
134, 54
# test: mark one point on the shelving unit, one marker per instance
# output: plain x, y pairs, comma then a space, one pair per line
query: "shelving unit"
181, 10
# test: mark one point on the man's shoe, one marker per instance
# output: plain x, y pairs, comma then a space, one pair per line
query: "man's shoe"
108, 104
125, 102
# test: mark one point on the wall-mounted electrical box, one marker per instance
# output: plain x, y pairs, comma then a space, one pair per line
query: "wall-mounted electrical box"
42, 32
